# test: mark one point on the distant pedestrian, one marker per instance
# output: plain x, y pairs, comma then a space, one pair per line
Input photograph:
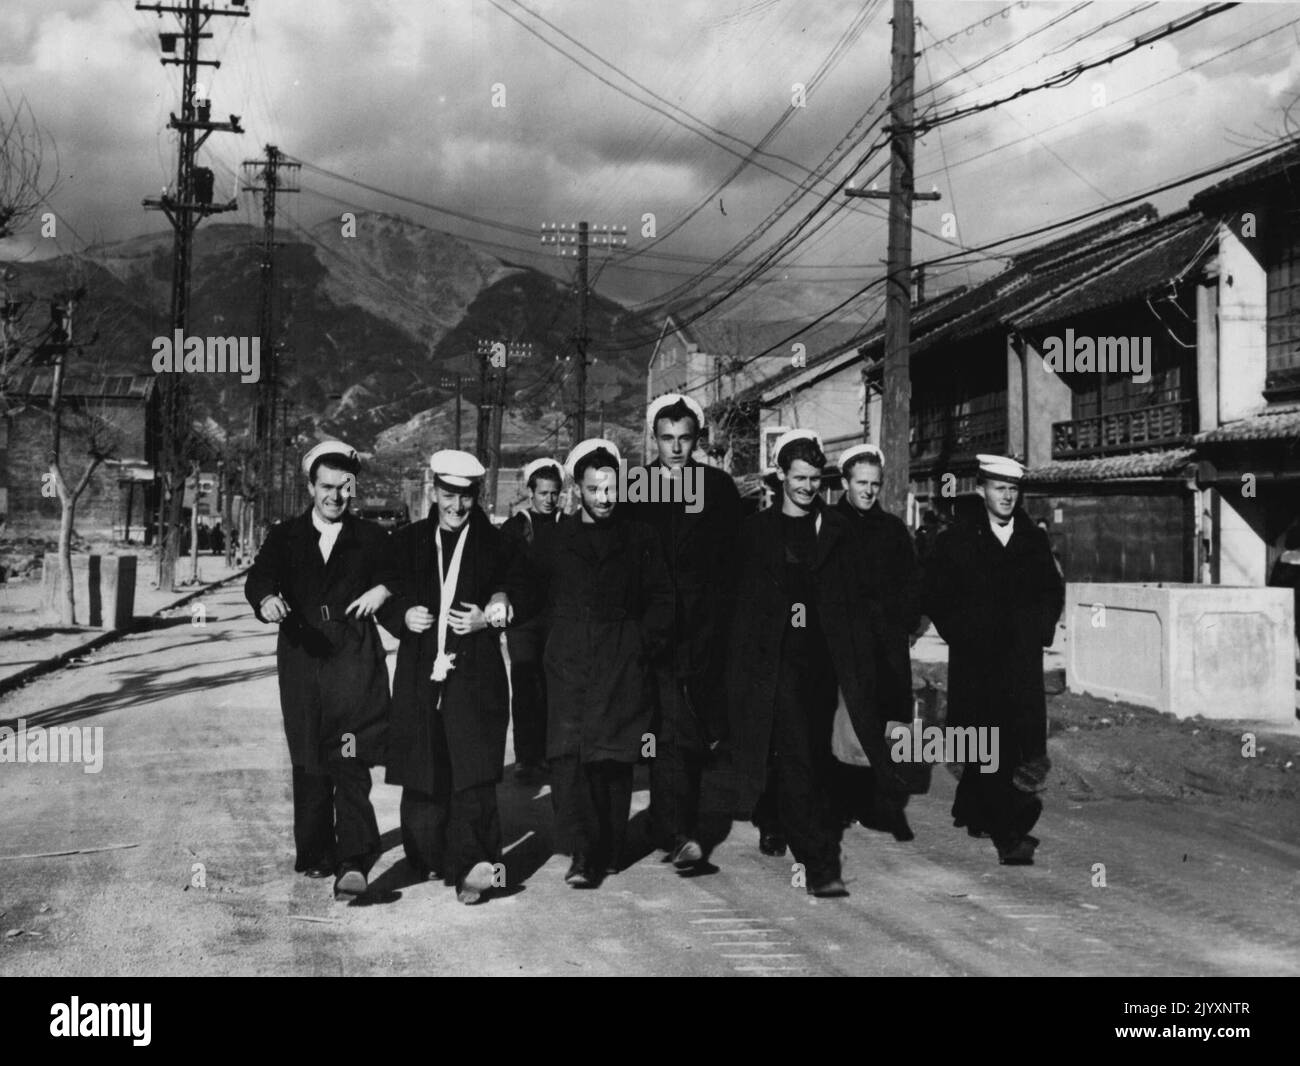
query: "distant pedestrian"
526, 641
321, 577
994, 593
450, 698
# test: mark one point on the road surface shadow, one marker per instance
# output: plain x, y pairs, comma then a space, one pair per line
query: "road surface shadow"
146, 687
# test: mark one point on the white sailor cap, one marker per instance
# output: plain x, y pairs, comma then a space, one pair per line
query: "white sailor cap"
792, 436
459, 470
327, 447
667, 400
857, 451
1000, 468
585, 448
542, 464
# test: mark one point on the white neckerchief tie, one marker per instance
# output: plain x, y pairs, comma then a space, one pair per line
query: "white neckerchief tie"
444, 663
329, 533
1002, 532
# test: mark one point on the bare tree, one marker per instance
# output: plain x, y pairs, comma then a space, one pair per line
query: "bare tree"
100, 440
27, 178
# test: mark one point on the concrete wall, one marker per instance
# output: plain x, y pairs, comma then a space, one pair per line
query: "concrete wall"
1243, 553
831, 406
1184, 649
1049, 402
1207, 357
1243, 365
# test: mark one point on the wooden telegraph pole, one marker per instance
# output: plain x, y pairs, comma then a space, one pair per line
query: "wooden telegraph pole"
896, 401
189, 202
574, 239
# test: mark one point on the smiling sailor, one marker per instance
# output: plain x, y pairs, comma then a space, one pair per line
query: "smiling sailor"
320, 577
994, 594
450, 696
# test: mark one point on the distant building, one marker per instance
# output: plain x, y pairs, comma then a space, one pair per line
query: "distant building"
122, 494
1248, 450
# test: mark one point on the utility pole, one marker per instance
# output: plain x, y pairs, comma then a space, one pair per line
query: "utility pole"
499, 354
266, 178
457, 382
185, 206
484, 352
896, 401
574, 239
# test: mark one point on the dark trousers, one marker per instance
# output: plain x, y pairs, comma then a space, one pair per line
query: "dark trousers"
528, 712
446, 832
675, 774
798, 801
858, 795
992, 804
592, 802
528, 693
333, 821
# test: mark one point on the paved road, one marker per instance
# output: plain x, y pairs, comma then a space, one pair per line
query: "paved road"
195, 772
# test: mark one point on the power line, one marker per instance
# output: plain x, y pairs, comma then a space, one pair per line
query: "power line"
1065, 77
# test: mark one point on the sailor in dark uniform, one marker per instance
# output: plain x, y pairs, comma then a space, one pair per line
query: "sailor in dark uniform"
602, 581
801, 639
697, 517
526, 641
450, 697
994, 594
320, 577
895, 588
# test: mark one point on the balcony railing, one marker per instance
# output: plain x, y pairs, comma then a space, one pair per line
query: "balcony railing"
1124, 431
940, 431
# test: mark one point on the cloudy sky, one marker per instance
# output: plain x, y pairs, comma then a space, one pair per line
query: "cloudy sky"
399, 95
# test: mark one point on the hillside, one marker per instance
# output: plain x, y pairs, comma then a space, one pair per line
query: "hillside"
369, 325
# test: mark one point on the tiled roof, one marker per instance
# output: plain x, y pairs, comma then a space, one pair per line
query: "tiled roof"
1277, 423
1108, 468
1023, 287
1169, 250
1130, 254
1286, 159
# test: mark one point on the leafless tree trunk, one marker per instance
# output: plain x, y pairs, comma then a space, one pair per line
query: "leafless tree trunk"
68, 497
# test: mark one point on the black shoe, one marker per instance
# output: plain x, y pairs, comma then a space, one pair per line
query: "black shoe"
350, 884
976, 832
1021, 853
832, 888
579, 875
895, 823
771, 844
687, 854
899, 827
319, 870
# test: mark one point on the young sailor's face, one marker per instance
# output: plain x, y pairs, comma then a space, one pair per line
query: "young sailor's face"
1000, 498
675, 441
801, 483
453, 508
331, 491
599, 491
546, 495
864, 485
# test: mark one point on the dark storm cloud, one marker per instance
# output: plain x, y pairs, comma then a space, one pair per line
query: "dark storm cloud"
399, 95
